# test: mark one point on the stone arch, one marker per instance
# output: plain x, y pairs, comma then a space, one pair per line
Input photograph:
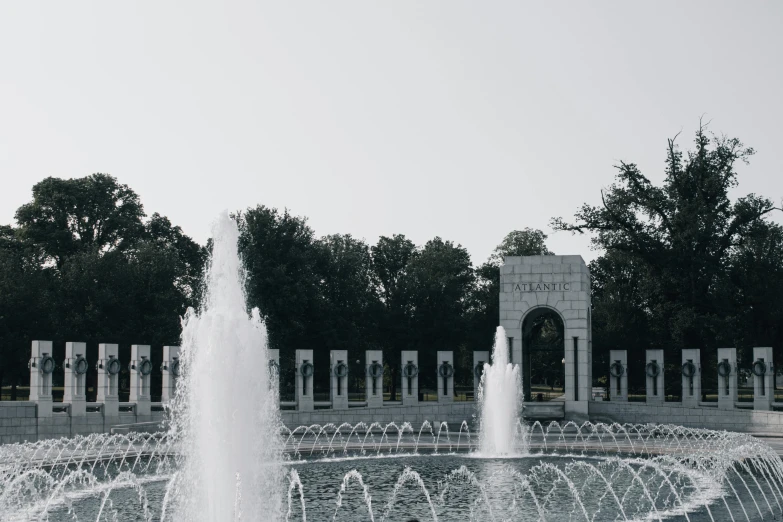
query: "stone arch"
560, 284
541, 363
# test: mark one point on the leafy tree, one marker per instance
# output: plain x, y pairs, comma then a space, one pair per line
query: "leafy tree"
88, 268
95, 212
282, 259
440, 278
485, 295
527, 242
391, 258
669, 248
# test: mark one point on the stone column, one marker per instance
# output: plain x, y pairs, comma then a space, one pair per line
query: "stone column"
41, 368
691, 377
170, 370
75, 369
373, 388
727, 378
514, 351
338, 366
479, 360
108, 376
763, 379
140, 370
409, 380
274, 369
654, 376
304, 380
446, 377
618, 375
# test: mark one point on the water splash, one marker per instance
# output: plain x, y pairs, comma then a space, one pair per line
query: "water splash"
499, 400
225, 412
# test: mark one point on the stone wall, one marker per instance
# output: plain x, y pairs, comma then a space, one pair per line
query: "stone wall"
18, 423
695, 417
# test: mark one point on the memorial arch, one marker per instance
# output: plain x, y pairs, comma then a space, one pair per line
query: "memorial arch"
532, 287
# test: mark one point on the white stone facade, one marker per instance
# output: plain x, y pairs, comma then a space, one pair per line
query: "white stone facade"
480, 358
409, 386
374, 384
654, 383
560, 284
338, 379
764, 384
691, 386
445, 383
304, 383
727, 384
618, 363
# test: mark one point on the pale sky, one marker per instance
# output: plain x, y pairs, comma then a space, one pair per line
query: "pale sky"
459, 119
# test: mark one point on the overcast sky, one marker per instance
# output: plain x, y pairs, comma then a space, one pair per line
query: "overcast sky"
459, 119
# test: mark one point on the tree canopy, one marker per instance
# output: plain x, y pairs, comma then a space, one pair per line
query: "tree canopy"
82, 264
683, 264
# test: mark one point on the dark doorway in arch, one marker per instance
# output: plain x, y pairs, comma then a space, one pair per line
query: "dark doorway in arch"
543, 355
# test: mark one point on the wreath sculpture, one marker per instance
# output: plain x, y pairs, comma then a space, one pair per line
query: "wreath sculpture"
616, 369
759, 368
273, 367
410, 370
478, 371
341, 370
688, 369
80, 366
724, 368
375, 370
306, 369
446, 370
47, 364
652, 369
145, 368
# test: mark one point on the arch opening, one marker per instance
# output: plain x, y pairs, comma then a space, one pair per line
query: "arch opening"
543, 355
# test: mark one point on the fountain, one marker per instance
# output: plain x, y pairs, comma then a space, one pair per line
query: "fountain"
225, 412
227, 457
499, 399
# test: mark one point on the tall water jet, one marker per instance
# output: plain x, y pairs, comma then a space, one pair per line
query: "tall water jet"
499, 400
225, 418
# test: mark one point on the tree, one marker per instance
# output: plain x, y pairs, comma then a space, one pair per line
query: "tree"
440, 278
527, 242
282, 259
87, 267
485, 296
95, 212
391, 258
674, 243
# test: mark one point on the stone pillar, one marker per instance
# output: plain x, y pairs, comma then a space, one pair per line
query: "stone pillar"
41, 368
727, 378
691, 377
274, 368
75, 369
373, 388
338, 377
763, 379
446, 377
479, 360
140, 371
409, 381
618, 375
514, 351
108, 381
170, 369
654, 376
304, 380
